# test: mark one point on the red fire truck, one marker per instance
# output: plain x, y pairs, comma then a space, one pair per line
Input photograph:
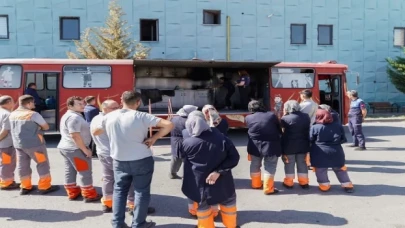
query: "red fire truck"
173, 83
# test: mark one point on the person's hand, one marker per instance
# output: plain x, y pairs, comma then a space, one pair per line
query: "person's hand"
88, 152
149, 142
212, 178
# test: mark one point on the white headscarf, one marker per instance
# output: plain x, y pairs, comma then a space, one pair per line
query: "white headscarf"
196, 125
186, 110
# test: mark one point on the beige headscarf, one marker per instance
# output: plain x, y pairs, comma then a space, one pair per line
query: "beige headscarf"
214, 117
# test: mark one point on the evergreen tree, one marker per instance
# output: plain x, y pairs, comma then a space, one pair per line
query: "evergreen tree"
396, 72
110, 42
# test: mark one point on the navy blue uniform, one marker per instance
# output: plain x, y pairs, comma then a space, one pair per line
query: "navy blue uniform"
264, 134
244, 91
211, 151
326, 149
295, 138
90, 112
355, 122
223, 127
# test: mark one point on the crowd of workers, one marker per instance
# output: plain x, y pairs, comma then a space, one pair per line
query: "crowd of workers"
198, 140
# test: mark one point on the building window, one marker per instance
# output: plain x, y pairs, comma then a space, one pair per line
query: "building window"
211, 17
399, 37
4, 27
85, 77
149, 30
325, 34
69, 28
298, 33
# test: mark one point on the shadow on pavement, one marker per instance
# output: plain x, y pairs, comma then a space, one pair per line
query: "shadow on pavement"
44, 215
370, 131
290, 217
175, 226
380, 163
360, 190
375, 170
60, 192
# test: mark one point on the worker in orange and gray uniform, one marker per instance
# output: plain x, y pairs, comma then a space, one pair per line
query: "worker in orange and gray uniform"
8, 155
74, 147
103, 152
264, 145
26, 131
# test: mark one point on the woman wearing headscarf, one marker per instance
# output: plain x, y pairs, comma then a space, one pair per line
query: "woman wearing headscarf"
176, 138
209, 157
264, 145
326, 151
335, 115
214, 119
295, 143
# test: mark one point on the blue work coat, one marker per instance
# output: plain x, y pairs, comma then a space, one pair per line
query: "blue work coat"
211, 151
326, 149
264, 134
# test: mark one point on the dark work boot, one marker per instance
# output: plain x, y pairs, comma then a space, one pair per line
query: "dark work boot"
305, 186
349, 189
89, 200
25, 191
53, 188
174, 176
151, 210
106, 209
12, 186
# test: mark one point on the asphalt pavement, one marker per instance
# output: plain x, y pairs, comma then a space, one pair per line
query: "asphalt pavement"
378, 175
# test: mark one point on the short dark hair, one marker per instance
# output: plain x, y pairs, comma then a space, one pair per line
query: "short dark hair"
354, 93
31, 84
25, 99
71, 100
307, 93
89, 99
5, 99
130, 97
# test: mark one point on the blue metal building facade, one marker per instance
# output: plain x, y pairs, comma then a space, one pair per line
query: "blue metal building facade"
363, 32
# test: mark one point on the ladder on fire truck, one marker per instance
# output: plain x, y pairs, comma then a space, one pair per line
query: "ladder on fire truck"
169, 115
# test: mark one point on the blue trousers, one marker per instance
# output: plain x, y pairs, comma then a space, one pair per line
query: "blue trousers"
356, 130
139, 173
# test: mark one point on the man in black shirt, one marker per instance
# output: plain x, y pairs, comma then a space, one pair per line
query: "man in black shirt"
226, 83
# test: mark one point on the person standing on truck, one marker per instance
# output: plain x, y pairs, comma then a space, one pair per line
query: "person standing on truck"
74, 147
227, 84
309, 107
357, 113
127, 130
176, 139
90, 111
8, 160
243, 84
32, 90
26, 132
264, 144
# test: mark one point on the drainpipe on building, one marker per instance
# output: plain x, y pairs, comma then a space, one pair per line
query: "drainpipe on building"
228, 38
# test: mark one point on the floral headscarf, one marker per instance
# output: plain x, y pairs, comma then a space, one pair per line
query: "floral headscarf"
323, 117
214, 117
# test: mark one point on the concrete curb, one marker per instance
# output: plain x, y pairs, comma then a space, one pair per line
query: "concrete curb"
384, 120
